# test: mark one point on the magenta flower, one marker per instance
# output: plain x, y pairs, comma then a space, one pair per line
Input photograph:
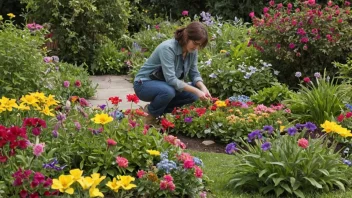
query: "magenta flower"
265, 10
272, 3
311, 2
66, 83
251, 14
291, 45
289, 6
304, 40
185, 13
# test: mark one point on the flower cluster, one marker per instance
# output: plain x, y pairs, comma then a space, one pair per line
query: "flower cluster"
329, 127
16, 137
34, 27
53, 165
206, 17
174, 141
121, 182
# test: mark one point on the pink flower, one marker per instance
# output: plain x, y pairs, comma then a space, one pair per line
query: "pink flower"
185, 13
111, 142
291, 45
66, 83
347, 3
77, 125
122, 162
83, 102
252, 14
38, 149
311, 2
305, 47
198, 172
304, 40
288, 110
157, 27
279, 6
298, 10
306, 80
188, 164
203, 194
78, 83
289, 6
171, 186
272, 3
330, 3
303, 143
265, 10
140, 173
294, 22
278, 46
168, 178
163, 185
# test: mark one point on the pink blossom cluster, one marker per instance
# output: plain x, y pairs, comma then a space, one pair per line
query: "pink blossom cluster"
174, 141
122, 162
167, 183
33, 26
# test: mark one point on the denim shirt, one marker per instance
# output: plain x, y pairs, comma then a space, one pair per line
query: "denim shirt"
168, 54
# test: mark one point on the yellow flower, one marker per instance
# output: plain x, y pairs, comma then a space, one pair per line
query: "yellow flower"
76, 174
220, 103
2, 108
39, 95
97, 179
86, 182
47, 111
153, 152
23, 107
125, 182
8, 104
328, 126
30, 100
114, 185
63, 184
223, 51
102, 118
282, 128
11, 15
50, 100
95, 192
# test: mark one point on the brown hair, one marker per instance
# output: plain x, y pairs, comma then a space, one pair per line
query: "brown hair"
194, 31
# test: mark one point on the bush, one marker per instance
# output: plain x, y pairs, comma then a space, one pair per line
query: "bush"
271, 95
318, 101
288, 164
305, 39
21, 61
78, 25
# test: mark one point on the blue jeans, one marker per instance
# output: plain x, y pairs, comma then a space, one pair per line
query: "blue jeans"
163, 98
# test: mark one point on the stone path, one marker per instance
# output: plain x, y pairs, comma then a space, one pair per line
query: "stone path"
109, 86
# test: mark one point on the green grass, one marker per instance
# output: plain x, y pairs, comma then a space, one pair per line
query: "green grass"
217, 167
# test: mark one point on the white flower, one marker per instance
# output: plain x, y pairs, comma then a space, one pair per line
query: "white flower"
276, 72
208, 62
212, 75
317, 75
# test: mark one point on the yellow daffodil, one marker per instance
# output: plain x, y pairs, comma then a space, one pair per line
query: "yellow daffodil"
153, 152
282, 128
328, 126
97, 179
220, 103
76, 174
63, 184
114, 185
11, 15
102, 118
8, 104
86, 182
23, 107
95, 192
223, 51
47, 111
50, 100
125, 182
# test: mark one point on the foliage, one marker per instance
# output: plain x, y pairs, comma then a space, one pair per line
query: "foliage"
271, 95
108, 59
294, 36
78, 25
289, 164
344, 70
318, 101
20, 59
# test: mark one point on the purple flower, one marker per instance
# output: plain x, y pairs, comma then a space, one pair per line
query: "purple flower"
292, 131
347, 162
254, 134
310, 126
77, 125
66, 83
300, 126
188, 119
61, 117
269, 129
266, 146
102, 107
55, 59
55, 133
231, 148
53, 165
317, 75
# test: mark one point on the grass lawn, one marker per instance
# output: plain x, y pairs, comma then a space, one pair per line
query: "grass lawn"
217, 166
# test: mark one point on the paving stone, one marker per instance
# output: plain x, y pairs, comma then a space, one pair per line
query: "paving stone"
208, 142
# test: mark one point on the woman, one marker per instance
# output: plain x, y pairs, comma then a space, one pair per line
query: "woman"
160, 80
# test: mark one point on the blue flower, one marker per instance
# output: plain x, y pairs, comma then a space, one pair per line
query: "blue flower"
102, 107
292, 131
254, 134
166, 165
197, 161
231, 148
310, 126
349, 106
268, 128
300, 126
347, 162
53, 165
164, 155
118, 115
266, 146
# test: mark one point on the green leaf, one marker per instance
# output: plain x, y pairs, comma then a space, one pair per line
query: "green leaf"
278, 191
339, 184
252, 155
278, 180
96, 169
262, 172
111, 172
286, 187
313, 182
276, 163
51, 152
292, 181
324, 171
299, 193
81, 165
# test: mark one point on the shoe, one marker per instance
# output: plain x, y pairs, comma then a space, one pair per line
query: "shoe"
149, 119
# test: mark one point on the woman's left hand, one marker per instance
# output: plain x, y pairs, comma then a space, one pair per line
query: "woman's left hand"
206, 91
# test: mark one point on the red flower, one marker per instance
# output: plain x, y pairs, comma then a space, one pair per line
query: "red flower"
34, 122
236, 104
166, 124
140, 173
115, 100
78, 83
23, 194
111, 142
306, 80
185, 111
213, 108
340, 118
303, 143
201, 111
3, 159
198, 172
132, 98
349, 114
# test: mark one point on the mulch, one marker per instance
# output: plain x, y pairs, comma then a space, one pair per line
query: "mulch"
194, 143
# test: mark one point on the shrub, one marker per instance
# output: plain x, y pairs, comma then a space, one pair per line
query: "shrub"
271, 95
78, 25
304, 39
21, 61
318, 101
288, 164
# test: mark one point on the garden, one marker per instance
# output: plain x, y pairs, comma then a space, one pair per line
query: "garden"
281, 109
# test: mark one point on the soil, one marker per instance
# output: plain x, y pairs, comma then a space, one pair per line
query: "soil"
197, 145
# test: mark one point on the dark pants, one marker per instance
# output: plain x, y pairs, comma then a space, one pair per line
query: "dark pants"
163, 98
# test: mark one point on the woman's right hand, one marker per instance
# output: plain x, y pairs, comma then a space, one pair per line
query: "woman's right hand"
201, 95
